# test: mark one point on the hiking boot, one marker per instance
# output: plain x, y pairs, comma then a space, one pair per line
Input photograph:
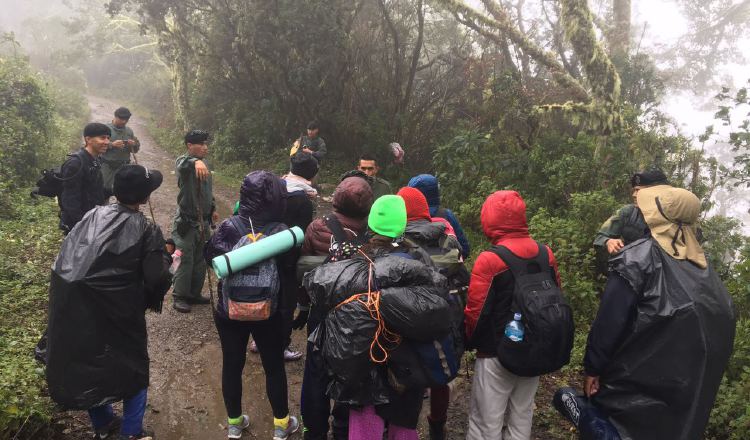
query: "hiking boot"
253, 347
235, 431
199, 300
437, 429
291, 428
568, 403
181, 306
291, 355
144, 435
110, 428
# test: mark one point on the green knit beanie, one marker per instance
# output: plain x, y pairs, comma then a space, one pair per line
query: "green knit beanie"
388, 216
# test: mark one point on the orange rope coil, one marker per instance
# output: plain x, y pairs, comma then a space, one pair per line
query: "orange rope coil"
371, 301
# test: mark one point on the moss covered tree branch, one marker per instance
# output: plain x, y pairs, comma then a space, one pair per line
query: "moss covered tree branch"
502, 23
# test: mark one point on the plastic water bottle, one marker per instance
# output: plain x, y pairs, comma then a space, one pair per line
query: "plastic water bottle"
176, 259
514, 329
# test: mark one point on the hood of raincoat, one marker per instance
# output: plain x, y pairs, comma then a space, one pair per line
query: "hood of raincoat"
263, 198
504, 216
428, 185
353, 197
671, 214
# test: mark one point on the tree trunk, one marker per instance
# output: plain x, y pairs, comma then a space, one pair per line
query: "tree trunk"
619, 39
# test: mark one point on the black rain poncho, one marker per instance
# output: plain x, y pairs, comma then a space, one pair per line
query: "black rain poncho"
662, 381
412, 304
97, 349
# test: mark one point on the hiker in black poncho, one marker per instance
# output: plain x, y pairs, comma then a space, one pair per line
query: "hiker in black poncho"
111, 268
409, 299
663, 334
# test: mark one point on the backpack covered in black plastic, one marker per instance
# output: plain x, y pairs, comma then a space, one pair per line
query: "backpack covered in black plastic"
545, 314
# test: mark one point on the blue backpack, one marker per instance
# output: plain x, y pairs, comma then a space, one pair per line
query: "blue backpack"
416, 364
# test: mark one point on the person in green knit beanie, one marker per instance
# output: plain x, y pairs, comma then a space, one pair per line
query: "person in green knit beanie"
388, 216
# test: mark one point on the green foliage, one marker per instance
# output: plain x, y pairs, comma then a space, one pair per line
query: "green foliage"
723, 241
27, 115
569, 235
730, 417
41, 122
30, 241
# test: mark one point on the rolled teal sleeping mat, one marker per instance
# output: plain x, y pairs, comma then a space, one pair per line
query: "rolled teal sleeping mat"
254, 253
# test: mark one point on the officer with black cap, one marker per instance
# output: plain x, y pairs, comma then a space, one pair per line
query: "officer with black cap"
83, 188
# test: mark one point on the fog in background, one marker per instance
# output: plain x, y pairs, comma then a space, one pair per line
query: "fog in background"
42, 27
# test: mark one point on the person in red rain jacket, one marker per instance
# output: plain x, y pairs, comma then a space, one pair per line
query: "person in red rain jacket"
495, 390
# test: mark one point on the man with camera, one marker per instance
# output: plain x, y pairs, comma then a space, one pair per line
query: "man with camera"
122, 143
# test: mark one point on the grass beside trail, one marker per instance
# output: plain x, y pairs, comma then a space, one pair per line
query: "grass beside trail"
30, 240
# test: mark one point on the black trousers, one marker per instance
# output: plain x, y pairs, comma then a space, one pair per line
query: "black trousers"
270, 338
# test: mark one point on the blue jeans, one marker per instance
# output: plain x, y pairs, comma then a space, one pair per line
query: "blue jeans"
132, 414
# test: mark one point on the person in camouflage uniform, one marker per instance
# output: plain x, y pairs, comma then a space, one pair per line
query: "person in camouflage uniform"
627, 224
189, 230
369, 166
122, 143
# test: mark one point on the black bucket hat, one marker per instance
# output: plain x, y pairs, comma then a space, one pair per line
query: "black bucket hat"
135, 183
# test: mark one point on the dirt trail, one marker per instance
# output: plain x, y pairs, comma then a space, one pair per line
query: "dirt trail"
185, 400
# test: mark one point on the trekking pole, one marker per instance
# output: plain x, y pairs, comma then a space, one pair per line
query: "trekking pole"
202, 228
150, 208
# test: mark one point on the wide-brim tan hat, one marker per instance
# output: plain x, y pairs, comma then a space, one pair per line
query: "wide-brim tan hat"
671, 214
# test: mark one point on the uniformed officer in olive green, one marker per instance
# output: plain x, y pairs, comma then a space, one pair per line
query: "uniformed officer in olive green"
369, 166
121, 144
627, 224
196, 210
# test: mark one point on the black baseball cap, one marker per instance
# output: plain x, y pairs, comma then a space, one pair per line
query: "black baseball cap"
196, 137
651, 177
134, 183
123, 113
95, 129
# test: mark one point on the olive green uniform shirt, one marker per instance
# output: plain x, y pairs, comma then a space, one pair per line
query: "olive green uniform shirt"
189, 196
380, 187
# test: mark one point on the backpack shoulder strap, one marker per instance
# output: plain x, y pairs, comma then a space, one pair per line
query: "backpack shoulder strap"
520, 266
238, 224
269, 227
334, 225
71, 156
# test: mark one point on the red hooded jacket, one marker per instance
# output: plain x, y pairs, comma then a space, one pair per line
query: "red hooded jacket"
491, 287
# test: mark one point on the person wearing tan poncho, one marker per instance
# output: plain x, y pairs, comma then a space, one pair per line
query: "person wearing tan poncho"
662, 336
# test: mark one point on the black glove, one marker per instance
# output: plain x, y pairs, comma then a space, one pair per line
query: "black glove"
301, 319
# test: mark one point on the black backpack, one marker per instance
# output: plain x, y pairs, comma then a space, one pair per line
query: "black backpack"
51, 182
545, 314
